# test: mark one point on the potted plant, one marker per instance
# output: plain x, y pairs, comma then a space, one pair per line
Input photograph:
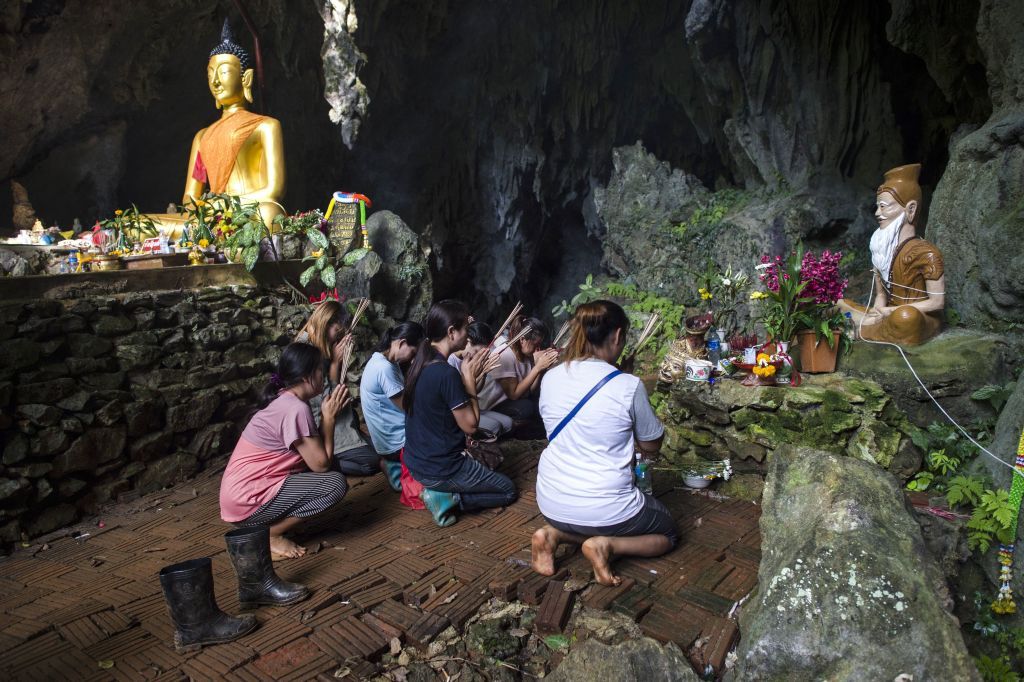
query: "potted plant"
129, 227
799, 306
240, 228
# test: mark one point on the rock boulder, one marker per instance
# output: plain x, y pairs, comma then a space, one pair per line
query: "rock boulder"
952, 365
636, 660
847, 590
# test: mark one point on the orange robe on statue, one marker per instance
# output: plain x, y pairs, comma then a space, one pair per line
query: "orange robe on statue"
219, 147
916, 261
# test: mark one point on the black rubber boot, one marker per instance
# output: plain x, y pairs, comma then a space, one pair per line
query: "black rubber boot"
249, 549
188, 589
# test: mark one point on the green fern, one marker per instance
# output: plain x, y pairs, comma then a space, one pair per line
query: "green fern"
964, 490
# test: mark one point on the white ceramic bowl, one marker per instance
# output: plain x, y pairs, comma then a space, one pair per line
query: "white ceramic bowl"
698, 370
696, 481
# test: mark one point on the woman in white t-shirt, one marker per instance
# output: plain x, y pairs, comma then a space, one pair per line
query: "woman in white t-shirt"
585, 486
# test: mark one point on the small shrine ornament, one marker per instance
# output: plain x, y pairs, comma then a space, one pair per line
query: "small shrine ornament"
1004, 603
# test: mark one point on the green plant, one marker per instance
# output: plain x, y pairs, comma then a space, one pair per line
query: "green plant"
724, 291
942, 463
242, 229
921, 481
588, 292
992, 518
710, 213
995, 669
323, 265
637, 300
801, 293
129, 227
780, 312
995, 395
300, 223
201, 215
964, 490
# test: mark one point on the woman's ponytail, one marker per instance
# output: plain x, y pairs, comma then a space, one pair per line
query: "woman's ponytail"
410, 332
592, 326
298, 361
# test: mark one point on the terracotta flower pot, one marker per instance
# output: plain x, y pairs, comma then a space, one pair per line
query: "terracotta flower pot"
816, 356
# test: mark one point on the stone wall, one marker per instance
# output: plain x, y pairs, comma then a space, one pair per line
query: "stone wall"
829, 412
108, 397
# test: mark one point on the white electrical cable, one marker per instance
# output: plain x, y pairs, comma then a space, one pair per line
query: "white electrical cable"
924, 388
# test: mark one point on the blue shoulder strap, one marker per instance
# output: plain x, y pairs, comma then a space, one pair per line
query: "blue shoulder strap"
595, 389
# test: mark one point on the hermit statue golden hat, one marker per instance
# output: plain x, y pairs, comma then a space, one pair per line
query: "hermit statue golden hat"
901, 182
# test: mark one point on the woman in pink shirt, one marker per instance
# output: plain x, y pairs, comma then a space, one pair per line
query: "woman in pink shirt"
280, 470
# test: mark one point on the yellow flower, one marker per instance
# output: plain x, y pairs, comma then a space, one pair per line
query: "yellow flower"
704, 294
764, 371
318, 253
227, 215
757, 295
763, 358
118, 212
203, 243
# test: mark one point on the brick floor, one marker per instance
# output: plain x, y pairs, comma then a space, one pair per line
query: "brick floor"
92, 608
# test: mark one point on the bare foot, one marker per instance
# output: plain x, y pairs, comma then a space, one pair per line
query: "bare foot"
542, 547
283, 548
598, 551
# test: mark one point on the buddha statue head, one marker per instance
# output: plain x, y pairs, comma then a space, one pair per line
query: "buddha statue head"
229, 72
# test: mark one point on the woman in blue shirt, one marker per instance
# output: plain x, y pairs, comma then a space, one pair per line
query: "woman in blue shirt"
380, 391
441, 408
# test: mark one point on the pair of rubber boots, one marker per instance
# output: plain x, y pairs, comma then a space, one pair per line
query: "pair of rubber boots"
188, 589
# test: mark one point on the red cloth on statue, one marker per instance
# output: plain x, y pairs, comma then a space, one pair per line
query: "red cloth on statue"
199, 170
411, 488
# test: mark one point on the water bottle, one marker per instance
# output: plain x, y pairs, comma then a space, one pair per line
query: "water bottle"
642, 474
714, 351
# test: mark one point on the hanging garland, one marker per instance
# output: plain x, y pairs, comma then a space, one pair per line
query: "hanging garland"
1004, 602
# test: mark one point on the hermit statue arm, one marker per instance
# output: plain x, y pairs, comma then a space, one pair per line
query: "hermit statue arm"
273, 151
193, 188
936, 296
881, 301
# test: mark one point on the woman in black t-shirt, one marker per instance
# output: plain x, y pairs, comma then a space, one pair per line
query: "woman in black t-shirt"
441, 408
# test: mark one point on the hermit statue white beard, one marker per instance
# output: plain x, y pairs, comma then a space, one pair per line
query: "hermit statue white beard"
883, 247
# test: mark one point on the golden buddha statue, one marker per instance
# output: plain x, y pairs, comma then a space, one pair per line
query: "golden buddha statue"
242, 153
909, 283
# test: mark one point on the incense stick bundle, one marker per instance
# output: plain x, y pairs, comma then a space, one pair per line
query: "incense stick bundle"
521, 334
364, 303
515, 312
493, 362
648, 332
561, 332
346, 359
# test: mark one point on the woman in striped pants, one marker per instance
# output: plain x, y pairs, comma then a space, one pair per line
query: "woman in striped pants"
280, 471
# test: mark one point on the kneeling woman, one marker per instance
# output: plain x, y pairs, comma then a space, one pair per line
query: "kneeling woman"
441, 408
280, 472
585, 486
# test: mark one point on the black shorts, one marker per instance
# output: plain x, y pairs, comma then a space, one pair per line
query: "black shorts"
653, 519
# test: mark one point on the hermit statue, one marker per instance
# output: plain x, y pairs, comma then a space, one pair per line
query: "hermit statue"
242, 153
909, 283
